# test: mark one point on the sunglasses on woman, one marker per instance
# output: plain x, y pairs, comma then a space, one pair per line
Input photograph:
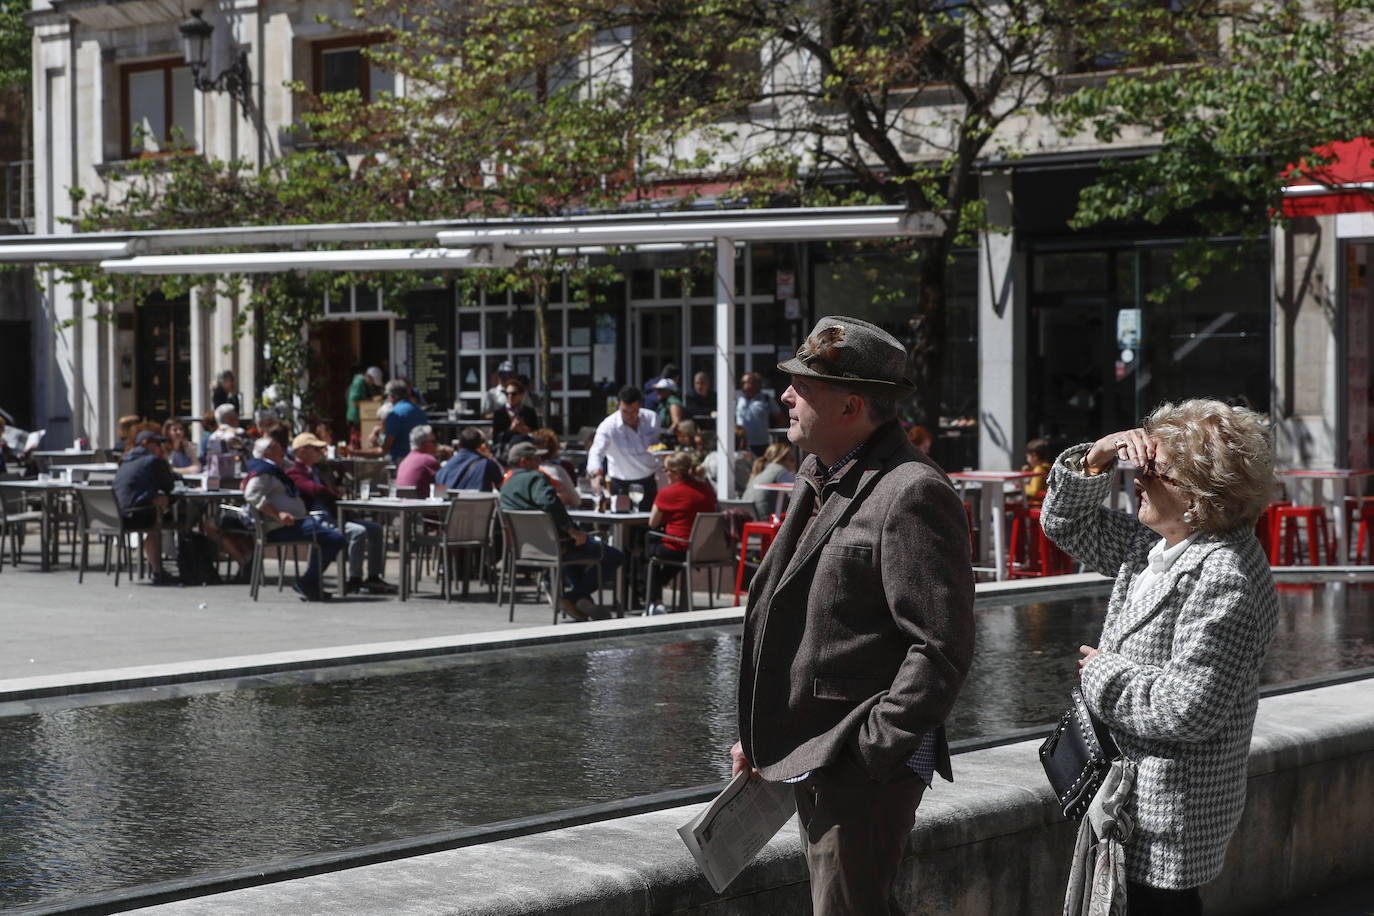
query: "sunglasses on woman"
1149, 472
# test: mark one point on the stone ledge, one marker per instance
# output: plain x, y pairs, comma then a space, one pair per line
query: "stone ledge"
993, 842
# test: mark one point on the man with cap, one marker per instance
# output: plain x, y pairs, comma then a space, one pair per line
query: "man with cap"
859, 629
143, 486
364, 387
669, 410
286, 518
362, 538
494, 398
526, 488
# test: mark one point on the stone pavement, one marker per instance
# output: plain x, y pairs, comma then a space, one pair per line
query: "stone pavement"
54, 626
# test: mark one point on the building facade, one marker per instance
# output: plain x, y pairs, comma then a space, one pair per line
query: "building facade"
1050, 334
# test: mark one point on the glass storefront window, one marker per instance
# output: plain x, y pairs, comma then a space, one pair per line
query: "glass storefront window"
1102, 355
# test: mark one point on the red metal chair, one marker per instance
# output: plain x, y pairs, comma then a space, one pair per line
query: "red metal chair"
765, 532
1285, 529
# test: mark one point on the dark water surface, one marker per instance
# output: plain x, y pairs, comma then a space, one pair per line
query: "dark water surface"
98, 795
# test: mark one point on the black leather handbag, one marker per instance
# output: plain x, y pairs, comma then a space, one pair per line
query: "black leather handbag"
1077, 755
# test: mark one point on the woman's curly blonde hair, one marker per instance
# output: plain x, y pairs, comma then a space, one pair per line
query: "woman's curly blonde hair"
1223, 455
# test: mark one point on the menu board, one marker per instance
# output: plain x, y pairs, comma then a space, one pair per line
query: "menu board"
429, 347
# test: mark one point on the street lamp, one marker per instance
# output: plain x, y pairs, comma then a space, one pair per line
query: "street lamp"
235, 80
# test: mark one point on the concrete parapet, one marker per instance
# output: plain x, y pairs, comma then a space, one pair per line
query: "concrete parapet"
994, 842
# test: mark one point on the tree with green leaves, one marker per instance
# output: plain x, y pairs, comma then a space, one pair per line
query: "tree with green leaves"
1251, 114
790, 101
16, 66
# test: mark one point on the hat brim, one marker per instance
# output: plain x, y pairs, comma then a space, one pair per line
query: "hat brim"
878, 387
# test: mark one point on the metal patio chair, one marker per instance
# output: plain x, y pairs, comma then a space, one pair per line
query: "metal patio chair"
708, 547
532, 543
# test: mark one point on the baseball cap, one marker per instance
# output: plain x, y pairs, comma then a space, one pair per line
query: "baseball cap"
148, 435
522, 450
374, 373
506, 368
308, 439
665, 383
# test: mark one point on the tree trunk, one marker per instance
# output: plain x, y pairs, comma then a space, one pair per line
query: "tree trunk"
928, 334
542, 281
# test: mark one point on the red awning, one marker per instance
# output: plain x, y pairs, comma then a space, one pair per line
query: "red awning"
1343, 185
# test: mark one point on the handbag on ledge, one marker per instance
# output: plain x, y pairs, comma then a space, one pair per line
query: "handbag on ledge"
1077, 756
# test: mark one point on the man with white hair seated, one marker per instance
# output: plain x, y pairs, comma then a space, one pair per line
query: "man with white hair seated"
418, 467
269, 490
227, 438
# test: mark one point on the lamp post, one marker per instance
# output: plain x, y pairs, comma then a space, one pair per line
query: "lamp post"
235, 79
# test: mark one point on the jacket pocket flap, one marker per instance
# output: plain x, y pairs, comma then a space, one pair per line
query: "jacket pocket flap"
851, 688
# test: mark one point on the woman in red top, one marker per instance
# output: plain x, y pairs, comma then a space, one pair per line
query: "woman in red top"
675, 509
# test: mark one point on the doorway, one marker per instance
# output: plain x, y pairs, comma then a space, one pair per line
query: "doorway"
163, 345
660, 341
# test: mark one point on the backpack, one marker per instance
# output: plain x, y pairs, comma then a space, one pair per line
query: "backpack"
196, 560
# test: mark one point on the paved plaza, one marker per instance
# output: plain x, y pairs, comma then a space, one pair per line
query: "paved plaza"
57, 629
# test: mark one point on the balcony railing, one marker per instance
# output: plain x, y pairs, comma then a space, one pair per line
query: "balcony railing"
16, 191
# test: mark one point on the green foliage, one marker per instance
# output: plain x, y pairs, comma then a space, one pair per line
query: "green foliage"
547, 107
16, 46
1289, 77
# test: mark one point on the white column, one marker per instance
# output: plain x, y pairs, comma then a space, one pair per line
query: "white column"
1001, 333
725, 367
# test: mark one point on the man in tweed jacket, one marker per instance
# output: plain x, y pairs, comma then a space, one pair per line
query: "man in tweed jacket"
859, 629
1193, 609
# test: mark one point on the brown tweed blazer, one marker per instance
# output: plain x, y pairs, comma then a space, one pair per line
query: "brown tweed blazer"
859, 626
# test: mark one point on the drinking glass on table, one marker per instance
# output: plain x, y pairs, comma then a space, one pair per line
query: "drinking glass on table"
636, 495
364, 489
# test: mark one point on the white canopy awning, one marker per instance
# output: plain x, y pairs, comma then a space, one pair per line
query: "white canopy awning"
478, 244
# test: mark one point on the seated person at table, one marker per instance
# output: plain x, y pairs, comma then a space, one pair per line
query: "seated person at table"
1037, 460
419, 467
363, 537
675, 510
471, 467
271, 492
143, 486
514, 421
181, 454
228, 438
528, 489
712, 458
778, 465
557, 471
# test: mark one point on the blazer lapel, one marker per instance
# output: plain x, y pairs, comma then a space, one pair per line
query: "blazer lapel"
815, 537
1149, 604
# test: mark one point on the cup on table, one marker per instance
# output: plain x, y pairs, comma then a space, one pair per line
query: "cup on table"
331, 452
67, 475
440, 491
44, 477
212, 483
365, 489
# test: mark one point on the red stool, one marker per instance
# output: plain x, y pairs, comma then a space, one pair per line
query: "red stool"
765, 531
1022, 542
1286, 520
972, 538
1267, 530
1364, 526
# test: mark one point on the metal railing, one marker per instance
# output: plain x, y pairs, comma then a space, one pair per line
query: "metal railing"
16, 190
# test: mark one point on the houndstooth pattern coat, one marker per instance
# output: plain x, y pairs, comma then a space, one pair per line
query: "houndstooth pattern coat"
1177, 679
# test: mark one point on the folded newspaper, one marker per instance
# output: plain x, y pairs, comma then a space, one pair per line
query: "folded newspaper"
727, 835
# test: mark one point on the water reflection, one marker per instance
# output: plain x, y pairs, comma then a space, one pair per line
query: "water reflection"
99, 797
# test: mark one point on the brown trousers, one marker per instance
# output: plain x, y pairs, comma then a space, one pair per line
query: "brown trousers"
854, 833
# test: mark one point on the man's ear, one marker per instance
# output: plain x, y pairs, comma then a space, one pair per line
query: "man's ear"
853, 407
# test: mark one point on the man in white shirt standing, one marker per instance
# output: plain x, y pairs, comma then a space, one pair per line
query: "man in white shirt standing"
622, 444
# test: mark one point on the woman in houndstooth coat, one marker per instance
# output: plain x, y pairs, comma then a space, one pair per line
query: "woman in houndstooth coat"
1175, 674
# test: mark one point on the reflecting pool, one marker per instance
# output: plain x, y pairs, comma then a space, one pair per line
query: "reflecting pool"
102, 793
